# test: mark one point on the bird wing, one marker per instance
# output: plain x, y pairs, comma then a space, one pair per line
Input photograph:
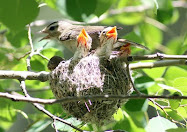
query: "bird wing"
73, 31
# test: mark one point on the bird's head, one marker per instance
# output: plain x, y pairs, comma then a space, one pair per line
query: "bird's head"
84, 40
109, 33
54, 29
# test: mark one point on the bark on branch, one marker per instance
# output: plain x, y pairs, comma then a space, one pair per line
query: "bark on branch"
25, 75
84, 98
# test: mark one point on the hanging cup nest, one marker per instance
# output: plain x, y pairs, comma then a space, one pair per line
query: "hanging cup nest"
91, 76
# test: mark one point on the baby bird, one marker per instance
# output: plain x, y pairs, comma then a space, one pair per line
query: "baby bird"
83, 43
108, 38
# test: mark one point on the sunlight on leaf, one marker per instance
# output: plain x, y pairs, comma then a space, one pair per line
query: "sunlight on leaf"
159, 124
39, 126
63, 127
118, 115
19, 13
181, 84
155, 72
177, 130
175, 103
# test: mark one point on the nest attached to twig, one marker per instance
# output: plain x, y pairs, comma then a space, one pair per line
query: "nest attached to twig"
91, 76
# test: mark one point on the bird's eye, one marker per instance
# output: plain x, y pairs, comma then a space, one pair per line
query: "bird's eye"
52, 28
104, 32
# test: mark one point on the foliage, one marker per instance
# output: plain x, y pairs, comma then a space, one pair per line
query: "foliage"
160, 27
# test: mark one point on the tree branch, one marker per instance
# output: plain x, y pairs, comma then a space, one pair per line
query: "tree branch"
43, 76
26, 75
157, 56
85, 98
157, 64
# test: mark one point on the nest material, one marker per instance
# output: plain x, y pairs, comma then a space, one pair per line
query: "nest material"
91, 76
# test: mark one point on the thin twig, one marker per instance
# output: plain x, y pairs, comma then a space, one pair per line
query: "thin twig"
33, 52
23, 55
28, 62
157, 56
167, 115
54, 126
130, 78
157, 64
30, 38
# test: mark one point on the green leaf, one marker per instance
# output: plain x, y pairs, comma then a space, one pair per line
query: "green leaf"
165, 11
143, 82
63, 127
159, 124
155, 89
181, 111
77, 8
20, 66
174, 73
178, 114
177, 130
50, 52
133, 37
102, 6
175, 103
130, 18
155, 72
35, 84
129, 124
147, 32
175, 46
118, 115
38, 63
61, 7
137, 105
6, 58
51, 3
18, 39
123, 3
181, 84
39, 126
163, 103
15, 14
55, 109
169, 88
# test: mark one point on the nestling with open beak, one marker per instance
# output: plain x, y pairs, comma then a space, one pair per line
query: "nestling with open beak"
108, 38
84, 42
67, 33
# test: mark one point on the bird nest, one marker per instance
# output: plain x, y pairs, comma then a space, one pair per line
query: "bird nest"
91, 76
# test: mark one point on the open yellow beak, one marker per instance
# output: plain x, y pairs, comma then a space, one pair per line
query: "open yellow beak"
82, 38
112, 33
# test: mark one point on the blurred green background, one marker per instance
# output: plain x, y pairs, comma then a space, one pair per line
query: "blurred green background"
160, 25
